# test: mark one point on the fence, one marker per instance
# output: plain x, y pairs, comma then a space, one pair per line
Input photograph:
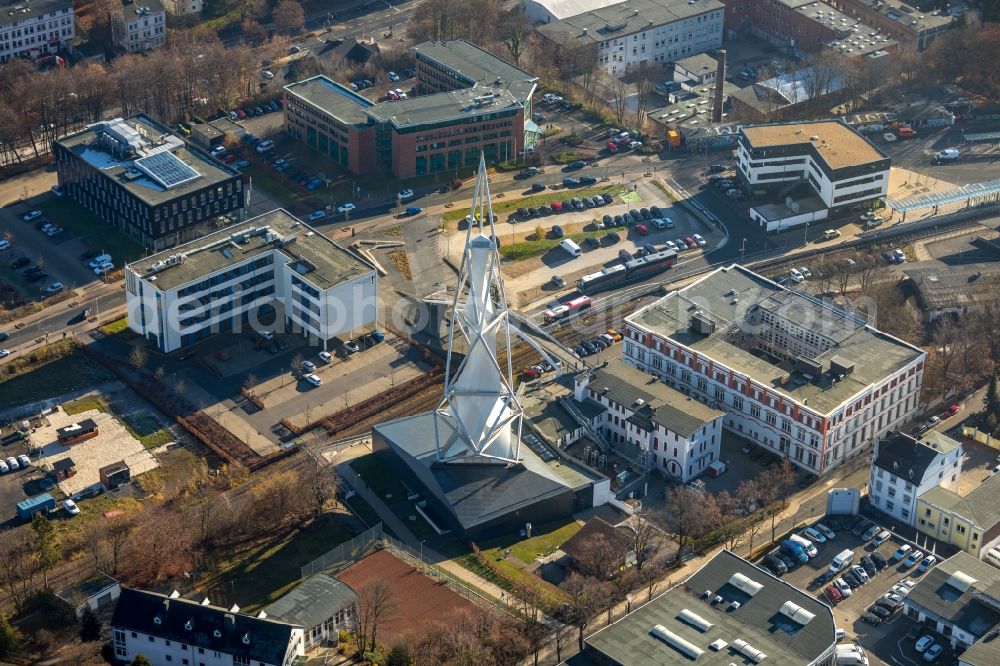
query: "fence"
981, 437
345, 553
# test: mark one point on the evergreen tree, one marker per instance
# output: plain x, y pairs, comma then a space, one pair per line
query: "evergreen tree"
8, 639
141, 660
991, 403
90, 626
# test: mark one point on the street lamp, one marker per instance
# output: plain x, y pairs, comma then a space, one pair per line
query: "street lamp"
743, 249
805, 235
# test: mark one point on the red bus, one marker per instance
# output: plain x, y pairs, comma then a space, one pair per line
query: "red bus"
563, 310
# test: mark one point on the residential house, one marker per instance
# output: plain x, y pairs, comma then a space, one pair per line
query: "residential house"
904, 468
321, 605
971, 522
616, 544
96, 592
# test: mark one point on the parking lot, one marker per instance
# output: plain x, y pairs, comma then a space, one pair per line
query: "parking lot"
886, 641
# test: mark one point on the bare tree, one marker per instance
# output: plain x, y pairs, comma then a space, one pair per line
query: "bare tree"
515, 28
750, 499
777, 482
250, 383
17, 576
376, 606
320, 478
647, 539
137, 357
584, 599
289, 17
690, 514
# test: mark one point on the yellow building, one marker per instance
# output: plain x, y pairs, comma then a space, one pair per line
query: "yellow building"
972, 522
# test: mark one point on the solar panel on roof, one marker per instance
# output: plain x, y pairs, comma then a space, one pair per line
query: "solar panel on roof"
166, 169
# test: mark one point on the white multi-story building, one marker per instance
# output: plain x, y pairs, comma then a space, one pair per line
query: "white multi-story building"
35, 28
838, 168
627, 34
904, 468
270, 271
169, 630
182, 7
140, 26
646, 421
794, 374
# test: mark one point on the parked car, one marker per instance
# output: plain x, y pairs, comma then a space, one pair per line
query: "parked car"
843, 587
912, 558
900, 553
346, 208
879, 560
882, 537
316, 215
933, 652
833, 594
313, 379
926, 564
827, 532
70, 507
859, 572
699, 240
924, 643
814, 535
869, 618
796, 275
869, 566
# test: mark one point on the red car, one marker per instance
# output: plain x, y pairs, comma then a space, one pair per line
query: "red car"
556, 206
833, 594
230, 159
613, 147
690, 241
951, 411
529, 373
241, 113
642, 229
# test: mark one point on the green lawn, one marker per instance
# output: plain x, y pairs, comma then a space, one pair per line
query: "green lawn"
364, 511
547, 539
533, 248
69, 373
272, 187
96, 234
147, 429
28, 290
505, 206
379, 478
256, 576
116, 327
84, 404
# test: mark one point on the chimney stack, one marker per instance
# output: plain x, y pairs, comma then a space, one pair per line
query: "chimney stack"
720, 78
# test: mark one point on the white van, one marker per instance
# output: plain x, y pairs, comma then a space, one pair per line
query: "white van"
946, 155
571, 248
806, 544
842, 560
993, 556
100, 259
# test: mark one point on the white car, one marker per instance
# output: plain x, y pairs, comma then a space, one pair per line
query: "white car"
12, 463
926, 564
314, 380
54, 288
268, 74
352, 346
860, 573
932, 421
104, 268
806, 273
699, 240
308, 366
796, 275
24, 460
924, 643
403, 195
845, 589
267, 335
671, 246
4, 245
316, 215
31, 215
346, 208
4, 352
933, 652
56, 190
399, 93
98, 260
635, 144
899, 590
71, 507
3, 467
326, 357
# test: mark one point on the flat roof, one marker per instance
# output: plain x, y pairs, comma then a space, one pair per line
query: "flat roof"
317, 259
941, 286
695, 113
663, 405
330, 97
624, 18
20, 10
839, 145
312, 602
542, 409
441, 107
875, 355
479, 66
759, 620
699, 64
779, 210
907, 15
139, 8
951, 597
85, 145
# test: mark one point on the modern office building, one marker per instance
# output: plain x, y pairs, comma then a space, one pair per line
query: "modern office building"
646, 421
625, 35
35, 29
270, 272
167, 629
812, 169
904, 468
143, 180
905, 23
728, 611
794, 374
422, 135
459, 65
140, 26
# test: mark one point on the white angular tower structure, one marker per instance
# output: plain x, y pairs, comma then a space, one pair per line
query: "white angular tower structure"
479, 397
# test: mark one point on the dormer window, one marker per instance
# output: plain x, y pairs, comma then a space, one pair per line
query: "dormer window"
157, 620
217, 633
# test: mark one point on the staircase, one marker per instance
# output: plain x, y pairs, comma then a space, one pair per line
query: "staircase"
569, 404
784, 191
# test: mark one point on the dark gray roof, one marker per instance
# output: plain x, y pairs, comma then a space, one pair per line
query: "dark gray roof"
63, 464
477, 493
758, 621
940, 286
664, 406
88, 588
313, 602
446, 106
333, 98
980, 507
138, 610
905, 457
477, 67
945, 595
984, 652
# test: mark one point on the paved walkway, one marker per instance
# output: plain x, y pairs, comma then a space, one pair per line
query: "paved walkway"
403, 533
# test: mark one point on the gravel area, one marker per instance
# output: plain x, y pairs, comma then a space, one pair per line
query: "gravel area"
112, 444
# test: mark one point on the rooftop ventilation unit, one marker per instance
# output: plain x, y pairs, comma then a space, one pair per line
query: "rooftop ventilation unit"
748, 651
701, 323
745, 584
615, 27
961, 581
808, 366
796, 613
718, 645
686, 648
695, 620
841, 366
734, 606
